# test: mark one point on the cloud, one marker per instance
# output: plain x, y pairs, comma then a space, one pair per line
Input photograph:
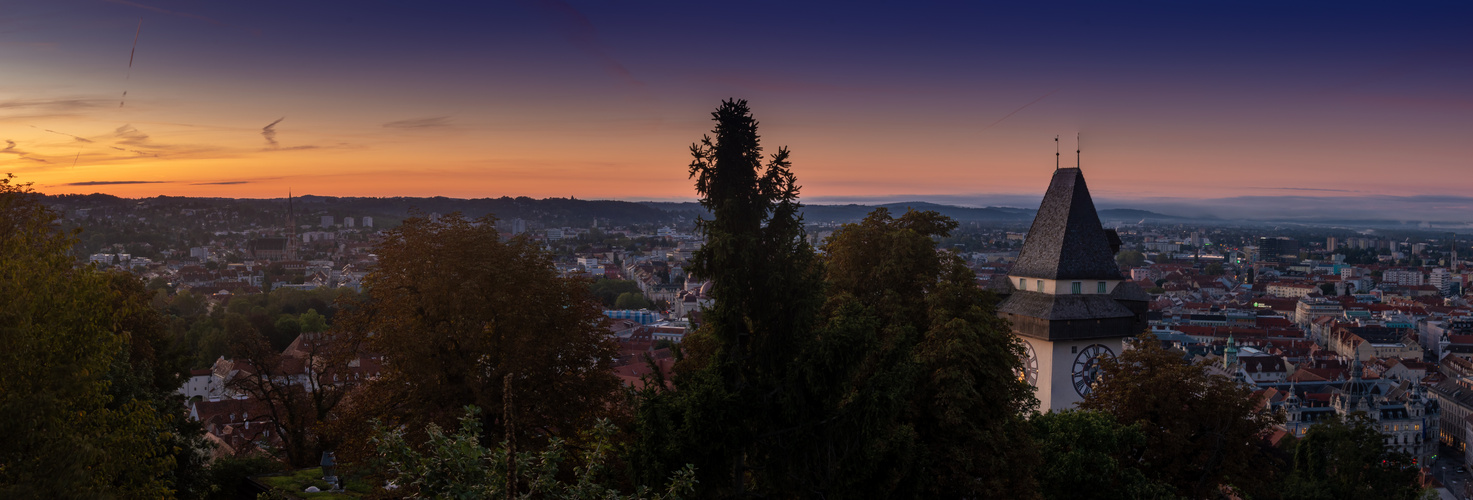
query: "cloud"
110, 183
24, 155
1307, 189
432, 122
221, 183
131, 136
269, 132
77, 137
50, 105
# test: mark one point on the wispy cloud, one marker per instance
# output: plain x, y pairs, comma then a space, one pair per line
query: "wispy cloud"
269, 132
24, 155
221, 183
50, 105
77, 137
413, 123
111, 183
1306, 189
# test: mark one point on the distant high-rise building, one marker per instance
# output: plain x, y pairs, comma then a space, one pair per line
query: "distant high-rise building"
1442, 279
1332, 243
367, 221
347, 222
326, 221
1278, 249
518, 226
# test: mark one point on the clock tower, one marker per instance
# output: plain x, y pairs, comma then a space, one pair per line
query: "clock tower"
1066, 298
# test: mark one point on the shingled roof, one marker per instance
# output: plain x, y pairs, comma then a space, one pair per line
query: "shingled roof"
1066, 240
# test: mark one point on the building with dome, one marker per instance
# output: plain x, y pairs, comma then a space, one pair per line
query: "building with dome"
1403, 413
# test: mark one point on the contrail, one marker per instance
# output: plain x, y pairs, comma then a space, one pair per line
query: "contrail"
999, 120
131, 52
269, 132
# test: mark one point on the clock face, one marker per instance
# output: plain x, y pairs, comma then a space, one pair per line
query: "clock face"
1087, 367
1029, 371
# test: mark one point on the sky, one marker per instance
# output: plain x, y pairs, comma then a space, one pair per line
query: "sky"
957, 101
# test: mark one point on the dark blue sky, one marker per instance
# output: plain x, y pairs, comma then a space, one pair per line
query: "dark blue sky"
600, 99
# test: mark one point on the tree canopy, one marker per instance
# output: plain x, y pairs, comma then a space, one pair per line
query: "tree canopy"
65, 333
457, 310
1203, 431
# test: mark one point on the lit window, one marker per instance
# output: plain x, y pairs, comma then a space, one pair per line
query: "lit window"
1076, 288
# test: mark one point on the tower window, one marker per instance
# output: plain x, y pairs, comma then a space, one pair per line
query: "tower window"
1040, 286
1076, 288
1100, 287
1022, 283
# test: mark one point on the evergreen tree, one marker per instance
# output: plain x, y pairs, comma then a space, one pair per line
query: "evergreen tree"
736, 391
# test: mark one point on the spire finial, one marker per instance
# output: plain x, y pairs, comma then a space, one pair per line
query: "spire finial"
1056, 151
1076, 150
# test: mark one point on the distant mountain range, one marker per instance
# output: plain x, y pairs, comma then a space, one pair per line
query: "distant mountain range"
853, 212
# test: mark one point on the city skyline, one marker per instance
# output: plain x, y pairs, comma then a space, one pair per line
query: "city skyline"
598, 100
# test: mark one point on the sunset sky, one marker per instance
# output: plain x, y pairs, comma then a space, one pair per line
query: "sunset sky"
601, 99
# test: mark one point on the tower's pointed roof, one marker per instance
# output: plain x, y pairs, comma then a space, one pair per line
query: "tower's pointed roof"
1066, 240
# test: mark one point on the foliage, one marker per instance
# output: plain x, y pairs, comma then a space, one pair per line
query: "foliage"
1088, 451
459, 466
914, 372
740, 372
1130, 258
296, 482
1213, 269
1203, 431
228, 474
298, 389
608, 291
460, 309
66, 435
1349, 460
880, 372
632, 300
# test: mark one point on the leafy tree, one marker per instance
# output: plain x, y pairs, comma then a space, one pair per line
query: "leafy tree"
1088, 451
459, 310
1213, 269
900, 384
1349, 460
1203, 431
311, 322
632, 300
608, 291
914, 373
459, 466
1130, 258
1327, 289
66, 436
299, 389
